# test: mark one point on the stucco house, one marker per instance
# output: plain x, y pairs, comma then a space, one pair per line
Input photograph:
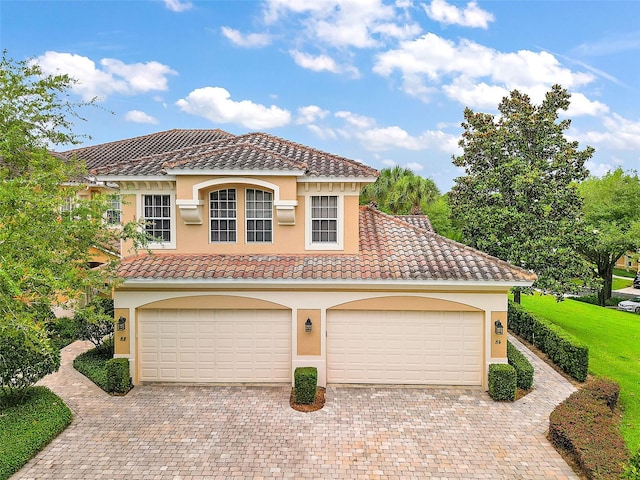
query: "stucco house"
264, 261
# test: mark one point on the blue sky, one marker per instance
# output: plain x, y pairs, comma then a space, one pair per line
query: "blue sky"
383, 82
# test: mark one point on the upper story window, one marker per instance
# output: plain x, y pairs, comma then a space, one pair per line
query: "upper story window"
157, 216
114, 210
324, 219
223, 211
259, 215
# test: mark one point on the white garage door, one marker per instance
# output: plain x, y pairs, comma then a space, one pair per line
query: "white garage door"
215, 345
431, 348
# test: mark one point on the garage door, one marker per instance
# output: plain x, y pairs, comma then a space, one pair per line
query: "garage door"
215, 345
434, 348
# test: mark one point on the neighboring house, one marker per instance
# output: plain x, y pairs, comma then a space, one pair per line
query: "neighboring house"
264, 261
628, 262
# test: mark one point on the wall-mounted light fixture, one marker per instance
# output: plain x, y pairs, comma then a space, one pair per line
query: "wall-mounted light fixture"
499, 327
122, 322
307, 325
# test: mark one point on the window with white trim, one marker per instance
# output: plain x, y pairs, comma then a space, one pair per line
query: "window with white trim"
259, 215
324, 219
157, 216
223, 213
114, 210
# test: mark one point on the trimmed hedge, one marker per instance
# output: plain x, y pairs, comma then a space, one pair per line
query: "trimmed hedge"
524, 369
586, 426
502, 382
593, 300
27, 428
117, 372
566, 351
305, 384
110, 374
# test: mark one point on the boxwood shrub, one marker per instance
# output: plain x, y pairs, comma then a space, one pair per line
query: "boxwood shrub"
117, 372
28, 427
587, 426
566, 351
502, 382
305, 384
524, 369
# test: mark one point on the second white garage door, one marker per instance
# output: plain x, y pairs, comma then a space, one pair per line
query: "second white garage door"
215, 345
430, 348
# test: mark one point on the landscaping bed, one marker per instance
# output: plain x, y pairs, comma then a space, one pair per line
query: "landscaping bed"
28, 427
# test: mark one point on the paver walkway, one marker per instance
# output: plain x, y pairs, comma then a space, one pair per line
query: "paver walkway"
221, 432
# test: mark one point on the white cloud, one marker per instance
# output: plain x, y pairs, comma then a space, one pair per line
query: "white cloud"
469, 70
620, 133
389, 163
251, 40
310, 114
325, 133
599, 169
320, 63
470, 16
379, 139
178, 5
138, 116
355, 120
114, 77
414, 166
215, 104
342, 23
581, 105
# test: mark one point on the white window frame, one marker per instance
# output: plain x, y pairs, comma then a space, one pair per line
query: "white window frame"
339, 243
247, 218
234, 218
115, 200
172, 217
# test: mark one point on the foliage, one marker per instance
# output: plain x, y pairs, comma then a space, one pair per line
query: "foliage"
26, 428
522, 366
611, 222
613, 338
399, 191
25, 357
586, 426
94, 322
593, 300
62, 331
439, 213
632, 469
502, 382
518, 200
305, 384
117, 372
566, 351
92, 364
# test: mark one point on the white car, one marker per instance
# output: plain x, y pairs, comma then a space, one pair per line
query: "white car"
631, 305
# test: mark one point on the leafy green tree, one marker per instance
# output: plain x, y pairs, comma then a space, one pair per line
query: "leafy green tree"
518, 199
439, 213
612, 222
46, 229
399, 191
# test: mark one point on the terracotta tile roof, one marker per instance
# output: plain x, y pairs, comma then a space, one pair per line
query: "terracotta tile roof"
113, 153
390, 249
240, 152
420, 221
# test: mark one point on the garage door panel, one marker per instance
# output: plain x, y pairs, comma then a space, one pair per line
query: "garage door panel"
404, 347
215, 345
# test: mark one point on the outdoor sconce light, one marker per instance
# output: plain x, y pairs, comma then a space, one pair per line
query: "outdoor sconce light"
121, 323
499, 327
308, 325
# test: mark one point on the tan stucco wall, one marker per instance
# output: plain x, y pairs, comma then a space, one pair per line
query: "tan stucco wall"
309, 343
305, 300
498, 342
121, 338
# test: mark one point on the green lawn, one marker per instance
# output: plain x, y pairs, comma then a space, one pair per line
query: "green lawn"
623, 273
614, 348
619, 283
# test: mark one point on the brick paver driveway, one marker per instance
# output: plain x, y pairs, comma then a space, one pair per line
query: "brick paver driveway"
219, 432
